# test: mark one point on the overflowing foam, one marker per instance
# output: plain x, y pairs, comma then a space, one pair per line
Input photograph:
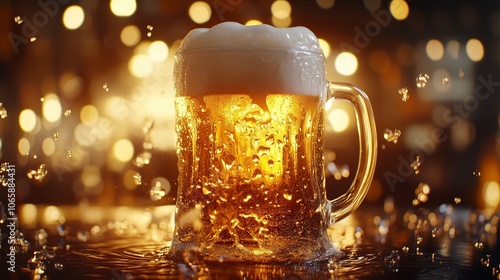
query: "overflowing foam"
231, 58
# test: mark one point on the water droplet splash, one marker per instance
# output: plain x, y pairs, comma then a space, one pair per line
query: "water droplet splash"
38, 174
150, 28
421, 194
392, 136
3, 111
137, 179
160, 187
422, 80
416, 165
404, 94
18, 19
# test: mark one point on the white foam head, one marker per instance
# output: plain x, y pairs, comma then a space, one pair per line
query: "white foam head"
231, 58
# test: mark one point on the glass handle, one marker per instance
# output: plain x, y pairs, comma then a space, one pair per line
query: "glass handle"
345, 204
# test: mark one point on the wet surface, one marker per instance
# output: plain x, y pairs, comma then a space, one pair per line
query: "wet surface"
368, 250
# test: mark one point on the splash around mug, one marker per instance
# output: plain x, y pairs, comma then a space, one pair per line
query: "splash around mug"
250, 112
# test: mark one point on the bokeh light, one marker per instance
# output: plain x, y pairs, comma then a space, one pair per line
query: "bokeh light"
372, 5
200, 12
130, 35
158, 51
73, 17
27, 120
123, 150
23, 146
434, 49
281, 9
48, 146
281, 22
338, 119
89, 115
325, 4
140, 65
123, 8
453, 48
325, 47
253, 22
51, 108
399, 9
346, 63
91, 177
474, 49
491, 194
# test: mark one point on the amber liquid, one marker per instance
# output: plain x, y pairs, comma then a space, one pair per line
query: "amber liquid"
251, 177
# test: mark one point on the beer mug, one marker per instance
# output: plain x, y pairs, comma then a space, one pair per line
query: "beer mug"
250, 116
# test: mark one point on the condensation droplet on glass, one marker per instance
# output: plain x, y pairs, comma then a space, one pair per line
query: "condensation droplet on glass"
422, 80
446, 81
392, 136
67, 113
404, 94
32, 39
18, 20
3, 111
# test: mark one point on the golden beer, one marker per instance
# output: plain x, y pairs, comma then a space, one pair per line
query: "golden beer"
255, 171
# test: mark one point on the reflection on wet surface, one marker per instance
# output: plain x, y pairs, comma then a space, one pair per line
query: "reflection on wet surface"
418, 244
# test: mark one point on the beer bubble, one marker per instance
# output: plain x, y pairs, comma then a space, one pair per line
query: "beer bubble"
422, 80
263, 151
